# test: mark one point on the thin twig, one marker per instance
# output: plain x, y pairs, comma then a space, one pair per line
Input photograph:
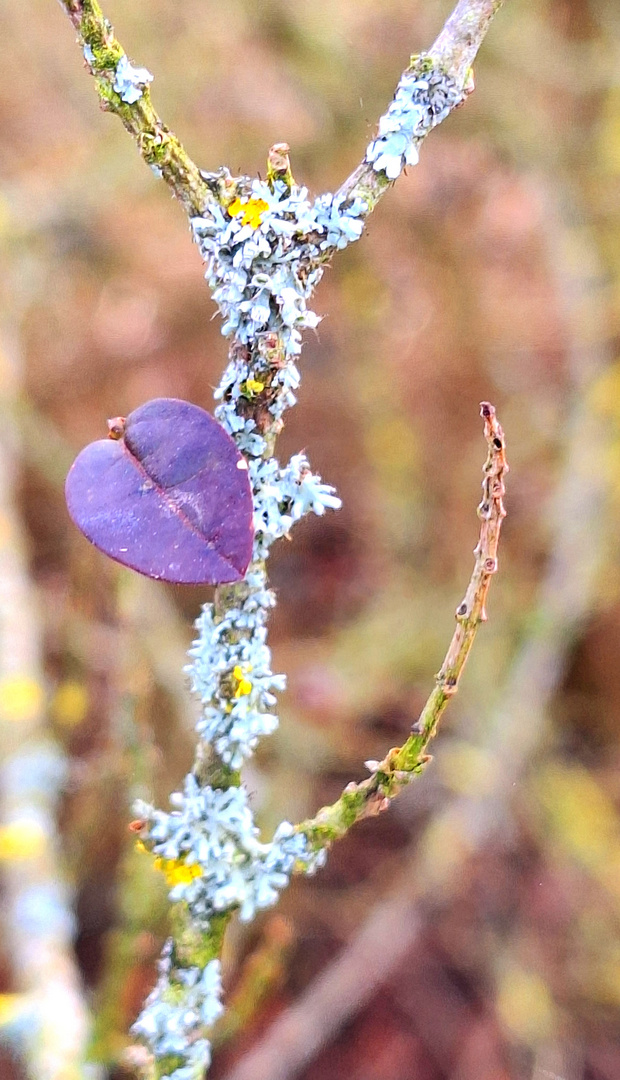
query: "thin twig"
453, 54
157, 144
456, 47
514, 728
468, 821
262, 973
337, 994
401, 764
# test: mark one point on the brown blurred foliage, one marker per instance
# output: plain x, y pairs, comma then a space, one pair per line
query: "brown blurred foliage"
491, 271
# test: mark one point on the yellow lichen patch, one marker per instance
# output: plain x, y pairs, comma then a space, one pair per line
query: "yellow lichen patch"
252, 387
70, 703
21, 840
21, 698
244, 686
252, 211
177, 872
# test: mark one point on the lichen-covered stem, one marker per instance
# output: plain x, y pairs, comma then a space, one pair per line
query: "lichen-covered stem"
265, 246
452, 53
157, 144
208, 767
401, 764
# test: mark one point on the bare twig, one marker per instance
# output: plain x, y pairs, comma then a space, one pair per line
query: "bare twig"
262, 972
336, 995
401, 764
456, 47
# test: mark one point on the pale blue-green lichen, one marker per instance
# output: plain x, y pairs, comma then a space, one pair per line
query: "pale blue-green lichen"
129, 82
174, 1029
419, 104
264, 255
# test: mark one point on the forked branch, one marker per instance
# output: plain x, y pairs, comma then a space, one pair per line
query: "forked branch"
265, 246
451, 57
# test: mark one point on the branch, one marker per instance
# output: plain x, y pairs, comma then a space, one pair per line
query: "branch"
401, 764
265, 246
442, 76
450, 61
124, 91
263, 971
515, 728
338, 993
456, 47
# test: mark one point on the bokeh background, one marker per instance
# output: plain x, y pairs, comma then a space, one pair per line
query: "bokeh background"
473, 932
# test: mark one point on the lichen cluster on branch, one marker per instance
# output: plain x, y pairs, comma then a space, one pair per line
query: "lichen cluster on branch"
264, 254
265, 244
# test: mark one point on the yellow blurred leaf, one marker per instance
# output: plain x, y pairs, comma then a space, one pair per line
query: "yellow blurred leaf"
22, 840
604, 394
21, 698
583, 816
442, 849
11, 1006
464, 767
6, 530
525, 1005
604, 981
70, 703
609, 132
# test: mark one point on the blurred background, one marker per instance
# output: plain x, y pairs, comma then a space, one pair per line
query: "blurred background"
473, 932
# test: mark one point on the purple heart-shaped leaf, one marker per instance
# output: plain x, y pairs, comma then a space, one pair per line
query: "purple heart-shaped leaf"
167, 494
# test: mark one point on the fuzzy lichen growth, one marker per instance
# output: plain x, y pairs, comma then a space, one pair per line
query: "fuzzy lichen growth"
265, 245
103, 54
264, 251
262, 267
424, 97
